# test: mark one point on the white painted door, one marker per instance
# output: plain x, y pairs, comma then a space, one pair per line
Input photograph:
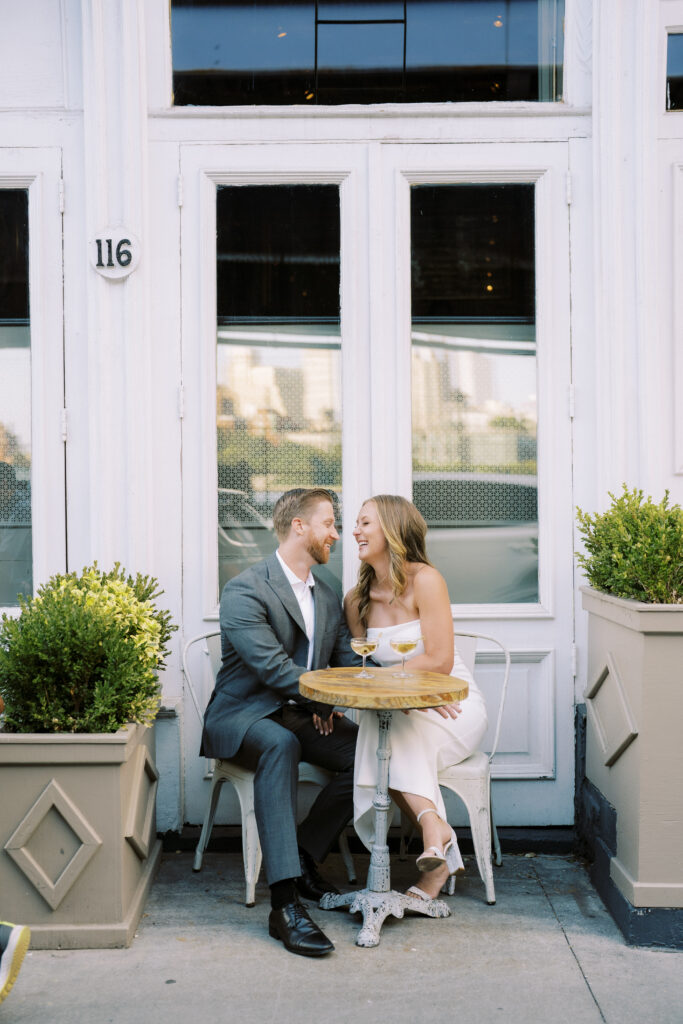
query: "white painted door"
32, 516
442, 371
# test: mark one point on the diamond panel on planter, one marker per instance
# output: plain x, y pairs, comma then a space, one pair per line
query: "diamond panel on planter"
142, 804
53, 816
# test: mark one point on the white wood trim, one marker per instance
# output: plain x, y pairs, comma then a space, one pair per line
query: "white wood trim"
578, 53
677, 377
203, 168
120, 377
538, 760
545, 166
39, 171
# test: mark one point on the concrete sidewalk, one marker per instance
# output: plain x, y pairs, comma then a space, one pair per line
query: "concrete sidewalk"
547, 951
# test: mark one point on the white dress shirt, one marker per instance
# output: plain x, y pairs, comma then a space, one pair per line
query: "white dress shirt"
303, 591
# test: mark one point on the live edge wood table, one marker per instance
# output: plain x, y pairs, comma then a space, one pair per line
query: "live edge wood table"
384, 693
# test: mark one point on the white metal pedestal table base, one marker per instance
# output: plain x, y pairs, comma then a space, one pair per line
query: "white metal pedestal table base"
376, 906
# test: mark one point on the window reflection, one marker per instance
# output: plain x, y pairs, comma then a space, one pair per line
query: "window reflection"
474, 403
228, 52
16, 575
278, 396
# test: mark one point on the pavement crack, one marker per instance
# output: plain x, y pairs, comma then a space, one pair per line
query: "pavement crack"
566, 939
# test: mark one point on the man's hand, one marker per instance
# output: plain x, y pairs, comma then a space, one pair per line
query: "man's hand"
325, 726
446, 711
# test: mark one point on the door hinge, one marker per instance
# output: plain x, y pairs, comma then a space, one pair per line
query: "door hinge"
574, 661
571, 401
62, 421
61, 195
180, 190
568, 188
181, 401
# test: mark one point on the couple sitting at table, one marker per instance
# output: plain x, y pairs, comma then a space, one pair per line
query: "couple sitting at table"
279, 621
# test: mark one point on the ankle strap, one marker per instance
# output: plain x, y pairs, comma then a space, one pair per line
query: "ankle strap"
427, 810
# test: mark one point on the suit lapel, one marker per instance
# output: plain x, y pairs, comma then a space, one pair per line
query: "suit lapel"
280, 585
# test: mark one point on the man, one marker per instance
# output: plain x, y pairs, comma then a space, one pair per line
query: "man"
277, 622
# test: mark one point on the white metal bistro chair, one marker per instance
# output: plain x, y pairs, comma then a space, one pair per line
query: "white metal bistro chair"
243, 781
471, 779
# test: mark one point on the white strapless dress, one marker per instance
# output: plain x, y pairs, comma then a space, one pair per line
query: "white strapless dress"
422, 742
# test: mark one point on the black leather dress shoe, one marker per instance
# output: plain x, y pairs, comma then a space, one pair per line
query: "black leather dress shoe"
292, 925
311, 884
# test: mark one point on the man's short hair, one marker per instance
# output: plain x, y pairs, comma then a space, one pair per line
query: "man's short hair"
297, 503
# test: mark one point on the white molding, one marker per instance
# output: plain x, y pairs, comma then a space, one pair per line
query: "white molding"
545, 166
369, 111
578, 53
528, 726
203, 168
159, 58
120, 377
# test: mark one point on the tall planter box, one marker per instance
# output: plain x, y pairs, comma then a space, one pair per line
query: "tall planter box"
634, 761
78, 846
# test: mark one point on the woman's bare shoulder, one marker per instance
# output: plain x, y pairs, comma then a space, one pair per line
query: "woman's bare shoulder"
423, 572
426, 578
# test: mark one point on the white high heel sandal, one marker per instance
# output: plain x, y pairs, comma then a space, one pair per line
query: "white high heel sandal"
433, 856
450, 855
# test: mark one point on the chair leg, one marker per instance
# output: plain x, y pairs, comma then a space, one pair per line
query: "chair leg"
208, 823
498, 858
480, 822
251, 851
346, 857
477, 802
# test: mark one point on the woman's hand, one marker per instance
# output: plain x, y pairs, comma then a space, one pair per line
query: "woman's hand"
446, 710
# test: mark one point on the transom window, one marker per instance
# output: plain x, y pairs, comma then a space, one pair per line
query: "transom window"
233, 52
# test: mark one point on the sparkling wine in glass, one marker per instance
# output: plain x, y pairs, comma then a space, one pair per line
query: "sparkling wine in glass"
363, 645
403, 646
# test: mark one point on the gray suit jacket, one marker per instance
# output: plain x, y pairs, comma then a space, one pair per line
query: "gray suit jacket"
265, 650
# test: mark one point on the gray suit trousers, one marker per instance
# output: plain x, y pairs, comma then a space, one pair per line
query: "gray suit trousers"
272, 748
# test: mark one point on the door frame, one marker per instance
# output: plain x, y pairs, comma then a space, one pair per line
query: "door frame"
374, 179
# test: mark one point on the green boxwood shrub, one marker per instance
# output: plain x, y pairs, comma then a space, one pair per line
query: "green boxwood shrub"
84, 654
635, 548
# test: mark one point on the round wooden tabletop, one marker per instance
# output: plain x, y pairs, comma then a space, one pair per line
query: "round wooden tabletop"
342, 686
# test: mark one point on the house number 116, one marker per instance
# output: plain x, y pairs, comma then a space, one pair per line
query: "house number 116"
114, 252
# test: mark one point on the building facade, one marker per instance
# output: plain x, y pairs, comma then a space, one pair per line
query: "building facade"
418, 248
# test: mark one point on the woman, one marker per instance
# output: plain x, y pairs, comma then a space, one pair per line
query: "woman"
400, 594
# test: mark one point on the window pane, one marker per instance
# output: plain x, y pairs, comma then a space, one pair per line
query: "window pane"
16, 576
233, 52
474, 387
278, 361
674, 72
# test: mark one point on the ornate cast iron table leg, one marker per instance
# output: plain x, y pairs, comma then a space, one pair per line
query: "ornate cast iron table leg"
378, 900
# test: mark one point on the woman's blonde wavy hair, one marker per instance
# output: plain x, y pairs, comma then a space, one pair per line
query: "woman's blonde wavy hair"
405, 531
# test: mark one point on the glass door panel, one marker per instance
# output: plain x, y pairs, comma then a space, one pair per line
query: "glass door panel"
16, 572
278, 371
474, 410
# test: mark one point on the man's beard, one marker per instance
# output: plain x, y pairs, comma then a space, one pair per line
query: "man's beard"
319, 552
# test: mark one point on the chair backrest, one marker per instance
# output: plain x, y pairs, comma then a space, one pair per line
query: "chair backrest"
467, 643
211, 662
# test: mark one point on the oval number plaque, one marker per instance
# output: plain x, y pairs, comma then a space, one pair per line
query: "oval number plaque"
115, 252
